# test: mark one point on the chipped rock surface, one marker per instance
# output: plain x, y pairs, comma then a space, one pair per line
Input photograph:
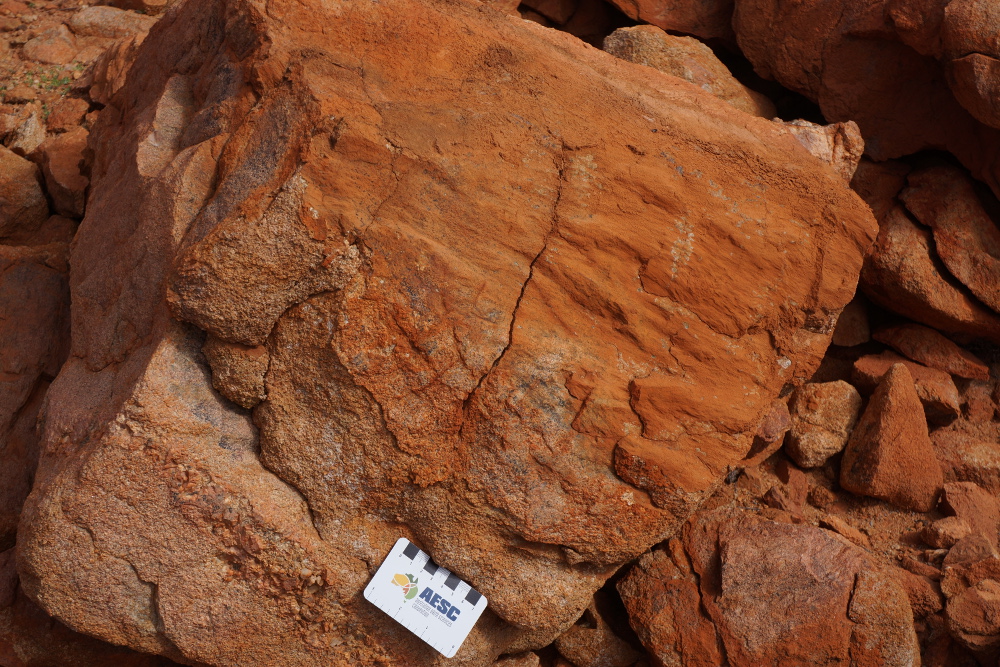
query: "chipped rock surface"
965, 237
62, 158
840, 145
766, 593
34, 342
968, 453
823, 415
688, 59
276, 184
928, 347
22, 202
902, 274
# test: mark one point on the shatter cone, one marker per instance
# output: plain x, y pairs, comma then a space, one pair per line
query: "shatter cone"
477, 254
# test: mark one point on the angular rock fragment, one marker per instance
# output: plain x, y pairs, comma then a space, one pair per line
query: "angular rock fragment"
944, 533
55, 46
977, 401
969, 454
62, 158
29, 133
889, 454
594, 644
974, 617
838, 525
823, 415
67, 114
663, 600
688, 59
975, 81
976, 507
22, 202
928, 347
902, 274
840, 145
936, 389
924, 593
965, 236
873, 63
432, 251
109, 22
766, 593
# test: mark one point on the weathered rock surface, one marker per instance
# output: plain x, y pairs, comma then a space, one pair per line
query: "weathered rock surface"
766, 593
976, 507
55, 46
931, 349
688, 59
109, 22
875, 63
889, 454
840, 145
944, 533
34, 342
62, 158
902, 274
823, 415
29, 132
238, 371
974, 616
975, 81
708, 19
592, 643
935, 388
31, 638
317, 186
22, 202
965, 237
968, 453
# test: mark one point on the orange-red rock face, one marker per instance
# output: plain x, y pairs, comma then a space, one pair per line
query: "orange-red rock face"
485, 264
738, 590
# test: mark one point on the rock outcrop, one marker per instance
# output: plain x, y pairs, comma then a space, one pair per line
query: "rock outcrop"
491, 306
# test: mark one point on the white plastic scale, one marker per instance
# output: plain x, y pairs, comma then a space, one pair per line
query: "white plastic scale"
427, 600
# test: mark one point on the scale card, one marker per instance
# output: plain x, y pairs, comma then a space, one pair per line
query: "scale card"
427, 600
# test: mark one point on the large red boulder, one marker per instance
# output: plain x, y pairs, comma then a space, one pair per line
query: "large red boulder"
467, 294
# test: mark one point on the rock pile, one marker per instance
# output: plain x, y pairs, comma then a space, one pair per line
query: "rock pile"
668, 372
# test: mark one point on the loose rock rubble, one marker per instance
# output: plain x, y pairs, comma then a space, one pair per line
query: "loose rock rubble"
717, 383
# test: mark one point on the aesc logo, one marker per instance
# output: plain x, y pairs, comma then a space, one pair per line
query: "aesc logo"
409, 584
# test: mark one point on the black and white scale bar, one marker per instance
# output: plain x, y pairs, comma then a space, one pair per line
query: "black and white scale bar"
427, 600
